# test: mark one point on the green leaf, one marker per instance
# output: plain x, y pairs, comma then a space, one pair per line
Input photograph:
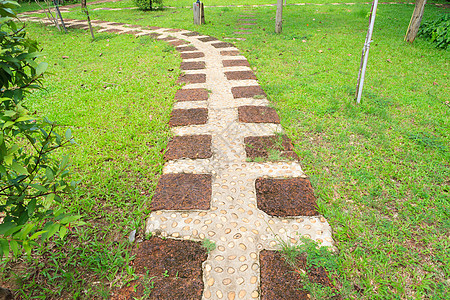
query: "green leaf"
49, 200
41, 68
69, 219
4, 247
37, 234
18, 168
68, 134
62, 232
5, 227
31, 207
14, 247
49, 174
38, 187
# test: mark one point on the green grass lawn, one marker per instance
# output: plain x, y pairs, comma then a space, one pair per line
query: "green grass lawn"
380, 170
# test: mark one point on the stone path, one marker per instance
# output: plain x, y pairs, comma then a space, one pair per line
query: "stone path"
210, 187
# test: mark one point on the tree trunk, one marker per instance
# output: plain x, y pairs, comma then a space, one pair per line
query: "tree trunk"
86, 11
279, 17
416, 18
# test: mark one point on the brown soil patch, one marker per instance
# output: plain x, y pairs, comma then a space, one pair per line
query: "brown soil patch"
193, 33
230, 53
192, 55
262, 146
235, 63
247, 91
240, 75
173, 30
207, 39
183, 192
281, 281
178, 43
222, 45
191, 95
192, 78
286, 197
153, 34
186, 48
242, 32
193, 65
132, 32
185, 117
189, 146
181, 261
153, 27
258, 114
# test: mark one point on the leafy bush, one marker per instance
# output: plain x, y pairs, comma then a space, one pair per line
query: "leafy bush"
148, 4
437, 31
31, 181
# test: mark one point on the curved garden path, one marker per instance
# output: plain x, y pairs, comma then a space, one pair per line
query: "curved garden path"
218, 184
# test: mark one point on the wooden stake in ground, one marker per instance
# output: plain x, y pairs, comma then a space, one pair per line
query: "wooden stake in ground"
365, 53
279, 17
85, 10
416, 18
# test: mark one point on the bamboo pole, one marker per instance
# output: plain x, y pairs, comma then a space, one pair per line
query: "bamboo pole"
365, 53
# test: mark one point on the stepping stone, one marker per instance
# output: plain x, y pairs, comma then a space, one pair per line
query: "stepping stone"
186, 117
192, 78
222, 45
207, 39
173, 30
178, 43
247, 20
193, 33
242, 32
236, 63
174, 267
258, 114
262, 146
193, 65
113, 30
249, 24
198, 94
276, 275
230, 53
247, 91
240, 75
168, 38
192, 55
186, 48
189, 146
182, 192
286, 197
116, 24
153, 27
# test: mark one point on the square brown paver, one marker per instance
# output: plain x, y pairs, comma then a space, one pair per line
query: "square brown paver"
230, 52
189, 146
192, 55
180, 261
113, 30
247, 91
270, 147
173, 30
247, 20
198, 94
222, 45
178, 43
193, 33
186, 48
235, 63
258, 114
207, 39
192, 78
286, 197
193, 65
240, 75
279, 280
242, 32
186, 117
168, 38
153, 27
183, 192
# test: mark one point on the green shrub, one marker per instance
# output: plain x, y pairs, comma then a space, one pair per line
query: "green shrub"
437, 31
31, 180
148, 4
